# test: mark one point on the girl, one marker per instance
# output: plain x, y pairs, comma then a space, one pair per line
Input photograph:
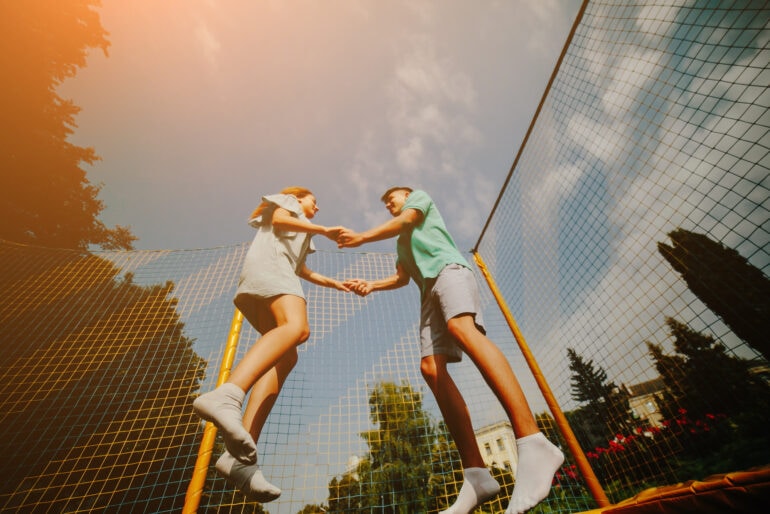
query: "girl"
271, 299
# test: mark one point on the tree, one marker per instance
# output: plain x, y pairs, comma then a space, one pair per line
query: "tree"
312, 509
412, 464
45, 197
606, 403
732, 288
702, 379
397, 475
98, 373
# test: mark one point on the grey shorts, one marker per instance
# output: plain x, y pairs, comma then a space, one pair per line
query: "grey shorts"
452, 293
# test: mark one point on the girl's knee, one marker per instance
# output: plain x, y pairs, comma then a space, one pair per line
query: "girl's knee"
297, 332
304, 334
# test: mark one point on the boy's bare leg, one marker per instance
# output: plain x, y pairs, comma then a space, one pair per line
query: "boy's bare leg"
497, 373
538, 458
478, 483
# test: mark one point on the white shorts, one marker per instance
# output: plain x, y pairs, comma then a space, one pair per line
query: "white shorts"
452, 293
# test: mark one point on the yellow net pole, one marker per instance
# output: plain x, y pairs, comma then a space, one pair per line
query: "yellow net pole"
561, 421
198, 480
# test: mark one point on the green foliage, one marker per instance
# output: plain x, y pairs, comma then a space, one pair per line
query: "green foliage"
313, 509
412, 465
715, 417
395, 474
588, 382
725, 281
730, 454
689, 376
607, 410
45, 197
102, 379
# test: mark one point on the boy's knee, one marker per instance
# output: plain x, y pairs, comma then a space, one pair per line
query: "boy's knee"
428, 369
459, 327
432, 371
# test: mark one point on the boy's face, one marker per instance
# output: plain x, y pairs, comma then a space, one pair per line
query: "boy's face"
395, 201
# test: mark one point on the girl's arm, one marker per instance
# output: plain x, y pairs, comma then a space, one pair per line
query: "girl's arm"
321, 280
283, 220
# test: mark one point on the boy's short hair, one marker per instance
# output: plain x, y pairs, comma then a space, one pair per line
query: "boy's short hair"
386, 194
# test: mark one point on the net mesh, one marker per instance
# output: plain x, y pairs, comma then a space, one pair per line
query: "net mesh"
637, 212
104, 353
630, 243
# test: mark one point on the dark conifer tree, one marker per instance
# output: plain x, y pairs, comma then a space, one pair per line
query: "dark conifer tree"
724, 280
45, 197
605, 404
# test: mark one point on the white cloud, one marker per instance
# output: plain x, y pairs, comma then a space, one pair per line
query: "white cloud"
411, 155
600, 138
346, 98
684, 182
553, 186
659, 20
633, 72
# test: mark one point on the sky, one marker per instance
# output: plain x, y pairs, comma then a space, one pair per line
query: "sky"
201, 107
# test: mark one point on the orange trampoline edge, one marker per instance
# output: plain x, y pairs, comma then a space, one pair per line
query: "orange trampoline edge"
742, 491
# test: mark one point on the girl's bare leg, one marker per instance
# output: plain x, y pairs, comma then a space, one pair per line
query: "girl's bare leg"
291, 329
223, 406
265, 392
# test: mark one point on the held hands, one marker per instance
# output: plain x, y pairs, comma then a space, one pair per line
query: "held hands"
341, 286
333, 233
358, 286
344, 237
349, 239
355, 285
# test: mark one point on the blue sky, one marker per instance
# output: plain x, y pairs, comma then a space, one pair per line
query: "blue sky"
202, 107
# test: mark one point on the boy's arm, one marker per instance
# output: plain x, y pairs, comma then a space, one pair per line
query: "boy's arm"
364, 287
391, 228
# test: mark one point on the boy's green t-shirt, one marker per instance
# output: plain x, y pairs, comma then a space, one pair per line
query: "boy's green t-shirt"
428, 248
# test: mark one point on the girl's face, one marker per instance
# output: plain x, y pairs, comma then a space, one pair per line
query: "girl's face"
308, 205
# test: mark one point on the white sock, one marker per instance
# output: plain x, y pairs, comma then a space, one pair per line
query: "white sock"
478, 487
538, 461
247, 478
222, 406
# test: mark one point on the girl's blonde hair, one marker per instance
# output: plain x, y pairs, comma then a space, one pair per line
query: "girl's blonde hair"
299, 192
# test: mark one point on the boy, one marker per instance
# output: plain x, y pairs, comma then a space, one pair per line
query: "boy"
450, 324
